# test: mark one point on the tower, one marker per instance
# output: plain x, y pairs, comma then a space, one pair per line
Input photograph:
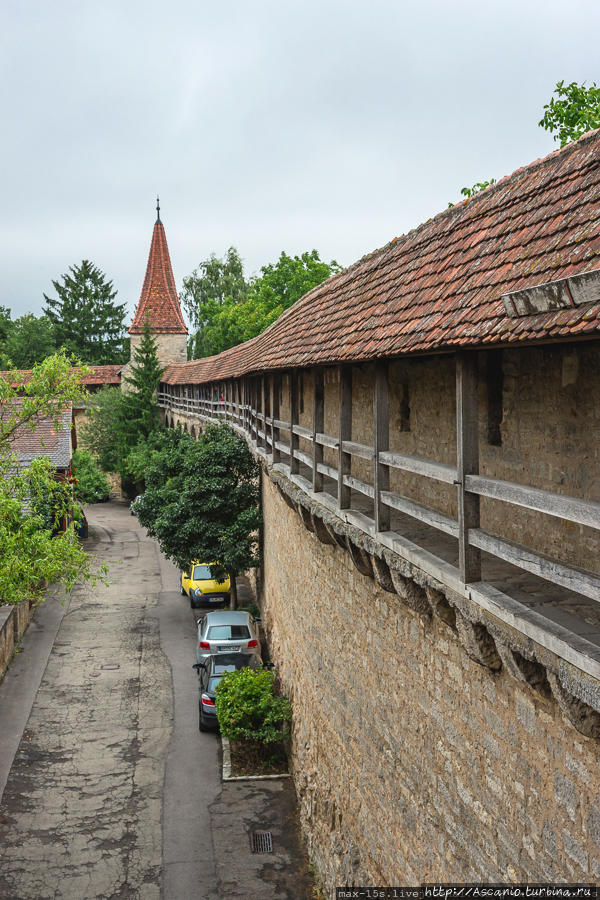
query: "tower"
159, 303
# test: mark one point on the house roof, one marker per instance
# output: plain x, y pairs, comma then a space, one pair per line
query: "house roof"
440, 287
158, 300
44, 440
96, 375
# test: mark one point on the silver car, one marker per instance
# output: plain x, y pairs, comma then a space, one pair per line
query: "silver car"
226, 631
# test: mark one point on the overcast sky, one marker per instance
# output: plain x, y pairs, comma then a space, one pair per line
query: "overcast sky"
280, 125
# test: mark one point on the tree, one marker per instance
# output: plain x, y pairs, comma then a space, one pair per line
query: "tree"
201, 502
30, 340
32, 500
146, 371
119, 420
575, 111
86, 319
226, 320
211, 285
278, 287
91, 484
5, 324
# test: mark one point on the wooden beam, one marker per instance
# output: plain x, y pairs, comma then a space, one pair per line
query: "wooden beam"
358, 485
356, 449
381, 443
583, 512
345, 434
275, 388
577, 580
467, 454
426, 467
263, 414
422, 513
318, 426
294, 443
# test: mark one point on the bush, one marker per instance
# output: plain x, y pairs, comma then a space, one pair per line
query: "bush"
249, 710
92, 484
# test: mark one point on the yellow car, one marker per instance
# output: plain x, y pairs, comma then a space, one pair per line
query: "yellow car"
201, 588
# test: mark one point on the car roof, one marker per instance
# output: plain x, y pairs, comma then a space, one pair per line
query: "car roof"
226, 617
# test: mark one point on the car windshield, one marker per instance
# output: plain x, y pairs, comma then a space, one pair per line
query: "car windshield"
228, 633
201, 573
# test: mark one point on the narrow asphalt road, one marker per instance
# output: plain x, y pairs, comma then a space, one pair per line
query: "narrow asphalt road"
111, 728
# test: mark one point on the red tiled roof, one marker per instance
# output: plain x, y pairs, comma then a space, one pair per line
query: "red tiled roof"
97, 375
439, 287
102, 375
44, 439
158, 299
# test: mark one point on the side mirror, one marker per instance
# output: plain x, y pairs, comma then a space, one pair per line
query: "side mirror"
258, 620
198, 666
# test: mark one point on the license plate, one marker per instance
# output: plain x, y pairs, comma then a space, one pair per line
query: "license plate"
229, 649
215, 599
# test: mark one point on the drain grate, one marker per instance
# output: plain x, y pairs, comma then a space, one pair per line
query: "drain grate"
262, 842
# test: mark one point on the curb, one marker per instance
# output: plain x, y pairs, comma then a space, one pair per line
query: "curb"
227, 776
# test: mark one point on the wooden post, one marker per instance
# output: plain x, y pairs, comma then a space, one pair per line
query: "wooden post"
467, 455
345, 434
275, 412
318, 427
263, 408
381, 443
294, 461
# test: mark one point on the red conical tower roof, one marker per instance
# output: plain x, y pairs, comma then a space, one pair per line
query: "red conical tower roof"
158, 300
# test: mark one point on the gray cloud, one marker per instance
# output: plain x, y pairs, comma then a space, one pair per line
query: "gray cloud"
269, 125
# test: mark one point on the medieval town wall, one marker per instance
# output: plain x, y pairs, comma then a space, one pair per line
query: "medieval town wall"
412, 761
547, 427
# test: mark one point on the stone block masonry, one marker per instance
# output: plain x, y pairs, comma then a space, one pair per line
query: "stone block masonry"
13, 624
412, 760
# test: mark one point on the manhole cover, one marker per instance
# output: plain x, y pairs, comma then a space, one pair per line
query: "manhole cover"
262, 842
111, 666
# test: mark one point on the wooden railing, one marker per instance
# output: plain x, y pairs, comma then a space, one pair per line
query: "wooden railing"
252, 407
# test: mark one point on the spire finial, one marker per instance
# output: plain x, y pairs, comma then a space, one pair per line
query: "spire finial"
157, 209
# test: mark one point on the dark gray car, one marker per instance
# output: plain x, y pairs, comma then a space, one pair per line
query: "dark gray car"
210, 673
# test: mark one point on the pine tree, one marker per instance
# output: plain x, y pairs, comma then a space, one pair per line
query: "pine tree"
146, 371
86, 320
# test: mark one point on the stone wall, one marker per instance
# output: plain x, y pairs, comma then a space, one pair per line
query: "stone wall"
13, 624
412, 761
171, 348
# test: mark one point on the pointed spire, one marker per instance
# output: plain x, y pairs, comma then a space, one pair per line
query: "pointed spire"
158, 299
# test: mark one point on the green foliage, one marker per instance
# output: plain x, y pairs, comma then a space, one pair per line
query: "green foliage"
141, 407
119, 421
91, 484
469, 192
248, 708
226, 310
201, 500
214, 283
33, 503
30, 340
85, 317
575, 111
105, 433
53, 385
5, 326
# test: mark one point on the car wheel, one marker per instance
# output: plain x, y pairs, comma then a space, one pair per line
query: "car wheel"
201, 724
